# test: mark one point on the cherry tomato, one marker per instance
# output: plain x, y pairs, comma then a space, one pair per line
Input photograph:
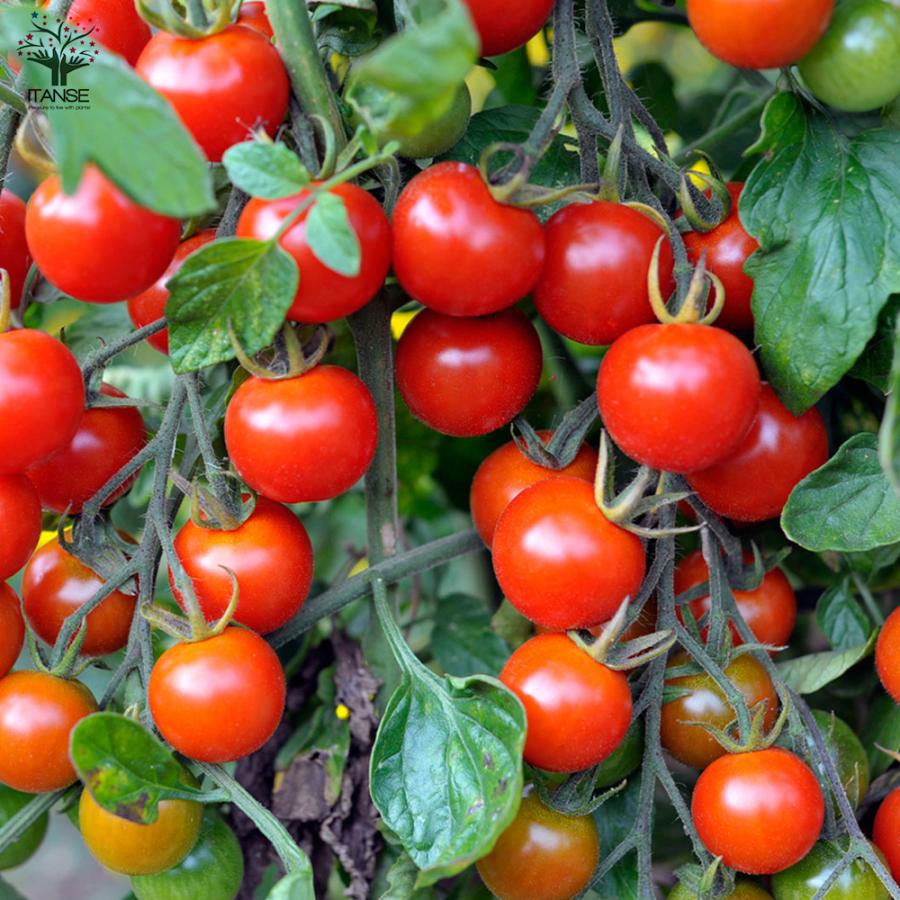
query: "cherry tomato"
770, 610
503, 26
107, 438
14, 254
37, 713
560, 561
20, 523
755, 480
441, 134
41, 398
887, 655
542, 855
253, 15
24, 847
743, 890
759, 34
466, 377
624, 759
854, 66
222, 86
578, 710
507, 472
857, 881
708, 704
886, 831
678, 397
272, 539
306, 438
132, 848
760, 811
454, 243
113, 23
594, 285
848, 753
56, 584
323, 294
214, 869
219, 699
12, 629
727, 248
150, 305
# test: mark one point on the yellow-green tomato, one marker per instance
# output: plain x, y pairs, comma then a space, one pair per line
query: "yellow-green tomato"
801, 881
743, 890
443, 133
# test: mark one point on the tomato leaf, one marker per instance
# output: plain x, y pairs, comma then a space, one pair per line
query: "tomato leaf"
882, 729
331, 236
462, 640
247, 285
825, 209
808, 674
615, 819
126, 769
876, 361
841, 618
297, 885
845, 505
267, 170
889, 433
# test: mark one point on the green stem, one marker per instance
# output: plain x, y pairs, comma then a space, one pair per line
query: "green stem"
15, 827
870, 602
12, 98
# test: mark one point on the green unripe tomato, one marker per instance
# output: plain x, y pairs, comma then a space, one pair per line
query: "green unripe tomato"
743, 890
16, 853
848, 754
624, 759
856, 65
801, 881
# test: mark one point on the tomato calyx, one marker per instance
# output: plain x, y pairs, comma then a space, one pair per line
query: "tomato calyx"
70, 664
692, 310
713, 881
288, 356
187, 20
560, 449
704, 213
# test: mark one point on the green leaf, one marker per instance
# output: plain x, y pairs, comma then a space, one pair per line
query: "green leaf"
825, 209
463, 642
882, 729
345, 30
841, 618
615, 819
297, 885
847, 504
126, 769
331, 236
247, 285
889, 433
876, 361
401, 879
267, 170
808, 674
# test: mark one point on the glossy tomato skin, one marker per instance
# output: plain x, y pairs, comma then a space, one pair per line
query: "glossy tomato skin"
106, 439
132, 848
97, 244
678, 397
459, 251
25, 846
542, 855
466, 377
887, 655
848, 753
271, 540
780, 449
594, 285
770, 610
221, 86
301, 439
220, 699
560, 561
12, 628
150, 305
759, 34
507, 472
56, 584
503, 26
743, 890
253, 15
707, 703
578, 710
886, 831
324, 295
857, 881
37, 713
760, 811
41, 398
727, 248
115, 23
20, 523
14, 254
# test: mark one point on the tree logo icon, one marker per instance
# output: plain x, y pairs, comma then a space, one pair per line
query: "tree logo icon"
59, 46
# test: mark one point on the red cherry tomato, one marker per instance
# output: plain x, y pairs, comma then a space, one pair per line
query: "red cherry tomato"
560, 561
467, 377
14, 254
113, 23
41, 398
323, 294
507, 472
678, 397
272, 539
887, 655
37, 714
760, 811
56, 584
504, 26
12, 628
150, 305
107, 438
577, 709
222, 86
727, 248
219, 699
306, 438
594, 285
20, 523
770, 610
759, 34
886, 832
253, 15
754, 481
97, 244
459, 251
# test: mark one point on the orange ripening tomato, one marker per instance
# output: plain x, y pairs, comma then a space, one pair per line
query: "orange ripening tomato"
20, 523
12, 628
887, 655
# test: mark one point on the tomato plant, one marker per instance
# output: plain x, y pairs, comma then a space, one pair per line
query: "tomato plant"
802, 880
15, 256
20, 523
113, 23
886, 833
501, 29
887, 655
